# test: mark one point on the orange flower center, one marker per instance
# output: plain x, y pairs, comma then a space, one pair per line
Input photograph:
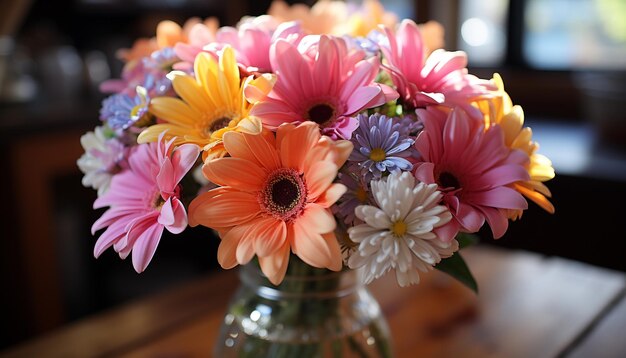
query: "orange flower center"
321, 113
284, 194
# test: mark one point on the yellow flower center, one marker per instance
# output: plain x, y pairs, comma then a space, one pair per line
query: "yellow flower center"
378, 155
398, 228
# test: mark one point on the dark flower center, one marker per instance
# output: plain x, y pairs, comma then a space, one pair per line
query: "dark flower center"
219, 124
448, 180
321, 113
284, 194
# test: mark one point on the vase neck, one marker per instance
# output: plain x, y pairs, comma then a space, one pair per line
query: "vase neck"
301, 282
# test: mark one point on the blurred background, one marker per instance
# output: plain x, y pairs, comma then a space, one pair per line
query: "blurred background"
564, 61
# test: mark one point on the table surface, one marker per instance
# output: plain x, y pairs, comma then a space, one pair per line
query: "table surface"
528, 306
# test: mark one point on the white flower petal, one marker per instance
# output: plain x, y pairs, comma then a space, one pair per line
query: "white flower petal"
400, 198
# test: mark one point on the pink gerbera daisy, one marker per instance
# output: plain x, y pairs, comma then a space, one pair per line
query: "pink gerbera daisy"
473, 168
320, 80
251, 41
144, 200
440, 78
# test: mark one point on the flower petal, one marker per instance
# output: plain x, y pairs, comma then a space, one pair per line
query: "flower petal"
331, 195
310, 247
275, 266
237, 173
222, 207
295, 144
270, 237
319, 178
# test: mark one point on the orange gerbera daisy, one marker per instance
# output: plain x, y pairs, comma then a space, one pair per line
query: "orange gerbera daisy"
500, 110
275, 197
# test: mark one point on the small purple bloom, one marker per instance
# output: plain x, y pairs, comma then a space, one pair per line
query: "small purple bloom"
371, 43
357, 194
380, 147
162, 59
120, 111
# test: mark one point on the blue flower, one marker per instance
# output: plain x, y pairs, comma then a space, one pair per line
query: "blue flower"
371, 43
120, 111
380, 147
162, 59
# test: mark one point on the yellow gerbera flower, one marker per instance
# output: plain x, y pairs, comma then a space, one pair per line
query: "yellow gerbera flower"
500, 110
371, 14
210, 105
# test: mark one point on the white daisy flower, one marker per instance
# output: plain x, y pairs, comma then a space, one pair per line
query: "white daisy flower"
102, 159
398, 234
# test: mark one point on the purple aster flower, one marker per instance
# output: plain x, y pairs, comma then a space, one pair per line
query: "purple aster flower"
162, 59
370, 44
149, 73
121, 111
410, 125
357, 194
380, 147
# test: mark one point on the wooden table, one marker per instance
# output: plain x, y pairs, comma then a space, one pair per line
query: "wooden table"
528, 306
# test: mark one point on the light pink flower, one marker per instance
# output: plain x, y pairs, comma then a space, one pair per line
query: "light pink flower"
143, 200
473, 168
440, 78
251, 40
321, 81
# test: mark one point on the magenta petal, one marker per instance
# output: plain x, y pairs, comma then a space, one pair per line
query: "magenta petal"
109, 217
108, 238
424, 173
469, 217
145, 246
287, 61
166, 217
165, 179
448, 232
364, 72
410, 57
183, 159
174, 216
497, 220
499, 197
502, 175
186, 52
361, 97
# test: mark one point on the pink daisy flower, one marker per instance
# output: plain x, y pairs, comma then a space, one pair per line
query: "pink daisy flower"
321, 81
473, 168
144, 200
440, 78
251, 41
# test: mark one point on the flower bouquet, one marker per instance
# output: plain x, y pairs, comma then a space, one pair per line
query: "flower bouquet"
312, 141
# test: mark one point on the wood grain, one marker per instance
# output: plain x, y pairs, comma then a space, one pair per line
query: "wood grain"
602, 340
528, 306
137, 324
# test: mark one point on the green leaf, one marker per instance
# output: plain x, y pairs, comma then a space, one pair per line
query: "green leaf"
466, 240
456, 267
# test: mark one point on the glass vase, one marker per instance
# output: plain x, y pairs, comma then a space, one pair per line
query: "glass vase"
312, 313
